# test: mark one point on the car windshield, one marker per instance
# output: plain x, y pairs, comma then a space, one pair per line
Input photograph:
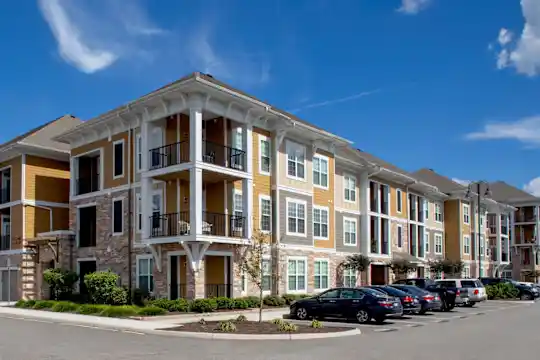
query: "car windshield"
393, 291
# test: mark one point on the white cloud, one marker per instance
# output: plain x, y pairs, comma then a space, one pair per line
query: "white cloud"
523, 54
462, 182
413, 7
526, 130
92, 35
533, 186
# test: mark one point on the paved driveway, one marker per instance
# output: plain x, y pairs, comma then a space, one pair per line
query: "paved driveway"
496, 335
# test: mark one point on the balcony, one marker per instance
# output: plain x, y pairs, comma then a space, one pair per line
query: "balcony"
213, 153
5, 195
214, 224
5, 242
85, 185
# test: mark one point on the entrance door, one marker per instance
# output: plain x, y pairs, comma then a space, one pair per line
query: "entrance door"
174, 282
85, 267
378, 276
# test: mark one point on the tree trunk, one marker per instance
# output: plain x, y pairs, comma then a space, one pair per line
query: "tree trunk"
261, 303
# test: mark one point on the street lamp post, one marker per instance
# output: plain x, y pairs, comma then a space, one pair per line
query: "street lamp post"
487, 193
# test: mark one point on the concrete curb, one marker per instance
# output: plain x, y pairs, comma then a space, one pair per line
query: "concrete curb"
209, 315
517, 302
216, 336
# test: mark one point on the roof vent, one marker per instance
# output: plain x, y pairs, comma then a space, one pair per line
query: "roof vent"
210, 76
430, 169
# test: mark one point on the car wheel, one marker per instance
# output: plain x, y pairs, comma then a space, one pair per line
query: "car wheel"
363, 316
471, 304
526, 297
301, 313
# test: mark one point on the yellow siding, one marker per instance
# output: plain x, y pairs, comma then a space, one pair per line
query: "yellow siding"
37, 220
393, 202
325, 197
262, 185
452, 234
16, 226
46, 180
340, 192
214, 269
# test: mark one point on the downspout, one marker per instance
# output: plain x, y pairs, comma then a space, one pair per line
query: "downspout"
130, 219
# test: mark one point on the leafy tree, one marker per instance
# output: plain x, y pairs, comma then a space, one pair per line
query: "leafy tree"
402, 266
61, 282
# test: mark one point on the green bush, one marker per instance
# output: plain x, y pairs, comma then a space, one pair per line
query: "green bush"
140, 297
316, 324
61, 282
101, 286
25, 304
91, 309
151, 311
119, 296
287, 327
253, 301
178, 305
289, 298
241, 318
43, 304
119, 311
65, 306
502, 291
273, 300
204, 305
277, 321
181, 305
224, 303
226, 326
240, 303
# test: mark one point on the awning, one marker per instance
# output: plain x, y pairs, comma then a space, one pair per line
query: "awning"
405, 256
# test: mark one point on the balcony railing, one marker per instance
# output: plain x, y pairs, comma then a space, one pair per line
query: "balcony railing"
178, 224
218, 290
504, 257
169, 155
225, 156
87, 185
5, 195
525, 218
5, 242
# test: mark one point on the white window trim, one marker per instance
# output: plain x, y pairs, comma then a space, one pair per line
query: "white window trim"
355, 276
356, 231
301, 202
137, 271
399, 227
427, 249
234, 193
399, 196
121, 141
468, 213
289, 144
466, 237
327, 159
297, 258
346, 175
138, 149
441, 206
427, 213
261, 198
322, 208
327, 273
265, 138
269, 258
121, 199
438, 236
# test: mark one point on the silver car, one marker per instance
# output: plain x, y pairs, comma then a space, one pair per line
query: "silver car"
474, 288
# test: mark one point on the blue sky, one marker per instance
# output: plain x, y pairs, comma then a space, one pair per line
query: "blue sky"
453, 85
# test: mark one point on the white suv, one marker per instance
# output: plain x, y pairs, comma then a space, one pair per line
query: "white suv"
474, 288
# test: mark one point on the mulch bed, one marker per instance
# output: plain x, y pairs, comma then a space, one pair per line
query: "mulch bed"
252, 327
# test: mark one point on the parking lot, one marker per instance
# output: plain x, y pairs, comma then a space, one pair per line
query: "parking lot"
409, 322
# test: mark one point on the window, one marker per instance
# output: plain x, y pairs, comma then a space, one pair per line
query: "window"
399, 201
296, 217
482, 248
349, 231
157, 208
426, 209
264, 154
87, 226
266, 275
320, 171
320, 223
438, 244
349, 184
118, 216
138, 152
426, 242
145, 277
296, 160
138, 204
466, 274
330, 294
438, 213
349, 277
265, 209
296, 275
118, 159
351, 294
238, 212
466, 215
399, 236
321, 274
466, 245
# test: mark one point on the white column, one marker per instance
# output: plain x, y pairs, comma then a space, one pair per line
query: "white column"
195, 201
536, 212
247, 146
363, 198
146, 204
247, 207
499, 240
512, 228
195, 134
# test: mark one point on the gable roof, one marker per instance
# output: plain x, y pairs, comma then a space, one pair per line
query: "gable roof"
503, 192
380, 162
443, 183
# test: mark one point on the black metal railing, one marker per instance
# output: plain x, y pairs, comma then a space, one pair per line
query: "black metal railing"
225, 156
218, 224
87, 184
5, 242
172, 224
5, 195
168, 155
218, 290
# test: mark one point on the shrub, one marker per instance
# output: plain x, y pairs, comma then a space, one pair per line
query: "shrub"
119, 311
316, 324
241, 318
224, 303
140, 297
101, 286
119, 296
181, 305
203, 305
25, 304
43, 304
152, 311
226, 326
272, 300
65, 306
253, 301
162, 303
240, 304
277, 321
289, 298
61, 282
502, 291
91, 309
287, 327
202, 322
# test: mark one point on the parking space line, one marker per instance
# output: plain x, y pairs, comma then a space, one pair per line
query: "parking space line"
385, 330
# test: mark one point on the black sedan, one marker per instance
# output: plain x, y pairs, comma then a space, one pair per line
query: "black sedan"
428, 301
362, 304
410, 303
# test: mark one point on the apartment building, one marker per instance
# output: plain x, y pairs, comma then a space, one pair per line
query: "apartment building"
34, 201
521, 229
482, 248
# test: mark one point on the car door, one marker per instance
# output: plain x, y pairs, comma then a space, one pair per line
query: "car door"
329, 305
350, 301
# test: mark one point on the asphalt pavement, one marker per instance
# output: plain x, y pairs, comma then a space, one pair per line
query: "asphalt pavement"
491, 331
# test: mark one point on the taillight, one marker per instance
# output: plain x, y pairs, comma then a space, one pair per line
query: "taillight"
429, 298
475, 291
458, 292
385, 303
408, 299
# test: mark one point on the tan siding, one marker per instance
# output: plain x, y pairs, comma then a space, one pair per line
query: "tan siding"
215, 197
170, 130
108, 163
89, 147
325, 197
214, 130
214, 269
287, 181
170, 197
184, 195
339, 189
46, 180
37, 220
15, 164
16, 226
452, 233
393, 202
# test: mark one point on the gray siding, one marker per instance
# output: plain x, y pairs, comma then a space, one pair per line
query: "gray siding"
295, 240
339, 234
432, 254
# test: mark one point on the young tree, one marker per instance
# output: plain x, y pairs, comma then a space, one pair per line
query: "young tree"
402, 267
356, 262
252, 265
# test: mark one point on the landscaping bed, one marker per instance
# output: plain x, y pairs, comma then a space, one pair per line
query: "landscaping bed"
235, 326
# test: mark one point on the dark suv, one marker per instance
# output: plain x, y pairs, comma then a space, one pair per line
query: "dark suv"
525, 292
